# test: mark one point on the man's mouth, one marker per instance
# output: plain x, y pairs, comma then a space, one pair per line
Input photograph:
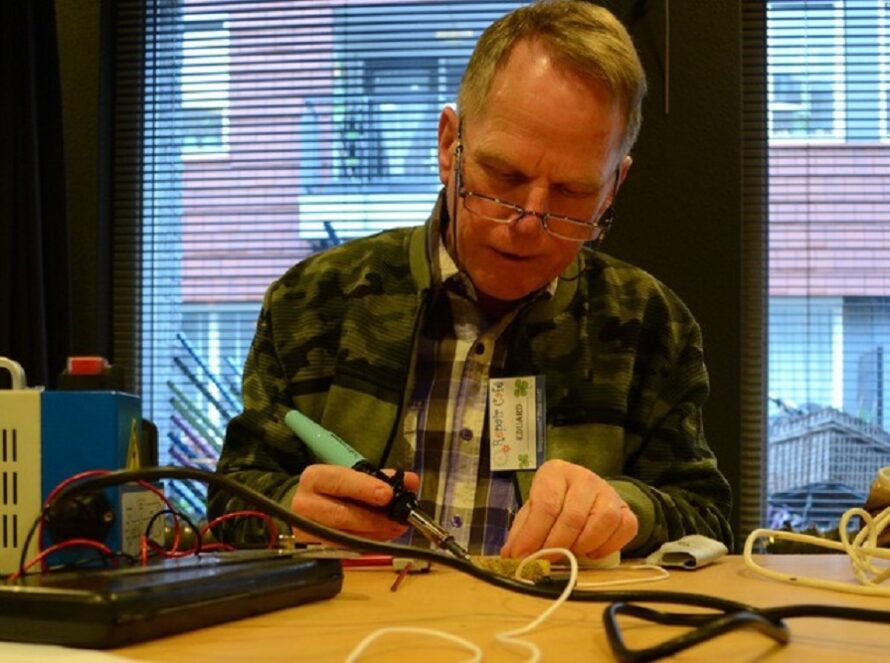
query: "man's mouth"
511, 257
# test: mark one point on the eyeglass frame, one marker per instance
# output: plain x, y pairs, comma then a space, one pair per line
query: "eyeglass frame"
602, 224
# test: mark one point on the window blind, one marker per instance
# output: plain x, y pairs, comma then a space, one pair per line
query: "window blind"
247, 136
829, 244
750, 492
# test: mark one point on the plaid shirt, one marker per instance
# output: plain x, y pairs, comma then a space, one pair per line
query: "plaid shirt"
446, 425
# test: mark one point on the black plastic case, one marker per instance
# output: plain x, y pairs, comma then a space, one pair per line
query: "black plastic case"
103, 609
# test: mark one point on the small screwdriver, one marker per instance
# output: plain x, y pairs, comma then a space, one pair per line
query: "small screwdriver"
404, 507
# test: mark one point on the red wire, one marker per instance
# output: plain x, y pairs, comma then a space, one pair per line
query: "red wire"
272, 527
55, 491
171, 554
70, 543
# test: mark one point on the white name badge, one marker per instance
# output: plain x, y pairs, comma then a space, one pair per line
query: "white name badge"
516, 422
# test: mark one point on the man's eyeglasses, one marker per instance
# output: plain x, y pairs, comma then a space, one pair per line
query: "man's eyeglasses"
500, 211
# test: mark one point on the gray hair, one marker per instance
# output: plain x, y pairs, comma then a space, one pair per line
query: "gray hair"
584, 38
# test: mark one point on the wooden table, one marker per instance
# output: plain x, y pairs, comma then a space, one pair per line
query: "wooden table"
450, 601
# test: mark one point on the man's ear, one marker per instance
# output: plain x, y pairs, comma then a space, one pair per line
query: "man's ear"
623, 168
608, 215
605, 221
448, 125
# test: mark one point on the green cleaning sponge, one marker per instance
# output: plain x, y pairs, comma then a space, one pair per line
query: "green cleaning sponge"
533, 570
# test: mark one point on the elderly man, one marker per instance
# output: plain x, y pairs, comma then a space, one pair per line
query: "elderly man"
400, 342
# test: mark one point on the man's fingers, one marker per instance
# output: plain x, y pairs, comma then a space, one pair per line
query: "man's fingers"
350, 501
411, 479
545, 504
575, 515
345, 483
348, 517
571, 507
626, 530
602, 523
515, 529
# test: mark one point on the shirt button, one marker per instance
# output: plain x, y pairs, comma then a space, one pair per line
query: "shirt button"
466, 434
480, 348
456, 521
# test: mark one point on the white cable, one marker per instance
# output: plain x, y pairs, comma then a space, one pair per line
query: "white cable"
508, 637
661, 574
363, 645
866, 572
869, 575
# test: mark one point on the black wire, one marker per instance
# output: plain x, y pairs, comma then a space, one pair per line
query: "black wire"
23, 557
768, 621
731, 615
175, 514
830, 611
712, 627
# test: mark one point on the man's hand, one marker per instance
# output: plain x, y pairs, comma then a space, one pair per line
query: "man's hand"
570, 507
347, 500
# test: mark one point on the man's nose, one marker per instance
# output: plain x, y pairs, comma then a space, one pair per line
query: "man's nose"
531, 222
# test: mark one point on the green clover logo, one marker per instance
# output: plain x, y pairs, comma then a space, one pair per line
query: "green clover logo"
523, 461
520, 388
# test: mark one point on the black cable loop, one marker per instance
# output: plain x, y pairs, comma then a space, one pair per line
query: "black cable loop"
714, 627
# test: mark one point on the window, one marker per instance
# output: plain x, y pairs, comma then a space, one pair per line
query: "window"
203, 129
806, 47
249, 135
829, 257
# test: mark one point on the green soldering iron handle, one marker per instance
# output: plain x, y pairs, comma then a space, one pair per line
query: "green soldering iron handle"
327, 447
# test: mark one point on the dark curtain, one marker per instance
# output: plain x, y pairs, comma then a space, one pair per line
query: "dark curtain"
34, 265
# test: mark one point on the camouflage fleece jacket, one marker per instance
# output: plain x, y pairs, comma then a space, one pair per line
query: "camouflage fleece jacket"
621, 355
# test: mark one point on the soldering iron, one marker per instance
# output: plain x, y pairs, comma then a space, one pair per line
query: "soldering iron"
404, 507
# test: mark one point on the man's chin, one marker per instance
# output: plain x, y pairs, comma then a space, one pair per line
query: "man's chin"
505, 286
505, 296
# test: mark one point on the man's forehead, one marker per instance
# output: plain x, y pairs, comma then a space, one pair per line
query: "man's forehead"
497, 143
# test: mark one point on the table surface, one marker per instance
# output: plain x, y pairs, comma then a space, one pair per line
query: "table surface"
448, 600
